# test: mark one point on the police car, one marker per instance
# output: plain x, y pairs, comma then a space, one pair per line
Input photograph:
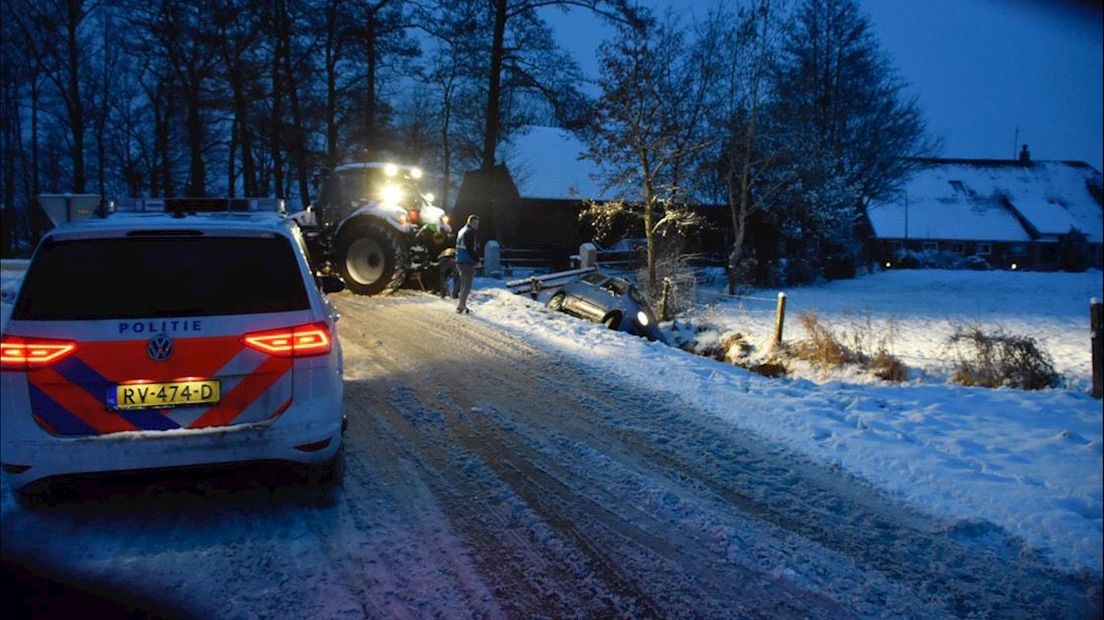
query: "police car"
167, 334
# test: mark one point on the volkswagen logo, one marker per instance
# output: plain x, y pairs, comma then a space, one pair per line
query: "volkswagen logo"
159, 348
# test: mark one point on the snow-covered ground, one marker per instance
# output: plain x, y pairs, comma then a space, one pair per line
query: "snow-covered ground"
1030, 462
923, 308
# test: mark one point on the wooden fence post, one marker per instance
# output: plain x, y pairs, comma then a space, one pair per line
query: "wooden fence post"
665, 301
1096, 318
779, 320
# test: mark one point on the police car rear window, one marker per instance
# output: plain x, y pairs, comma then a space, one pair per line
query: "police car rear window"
115, 278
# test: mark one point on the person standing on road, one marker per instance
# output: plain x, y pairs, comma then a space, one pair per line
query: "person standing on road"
465, 260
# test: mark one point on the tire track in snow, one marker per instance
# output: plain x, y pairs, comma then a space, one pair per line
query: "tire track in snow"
962, 569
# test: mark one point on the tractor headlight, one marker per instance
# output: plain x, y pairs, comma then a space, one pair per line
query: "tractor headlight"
642, 318
391, 193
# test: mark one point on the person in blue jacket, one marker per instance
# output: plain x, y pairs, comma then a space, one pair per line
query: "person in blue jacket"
465, 260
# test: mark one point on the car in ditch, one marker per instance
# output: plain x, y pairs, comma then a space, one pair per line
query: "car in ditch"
609, 300
168, 334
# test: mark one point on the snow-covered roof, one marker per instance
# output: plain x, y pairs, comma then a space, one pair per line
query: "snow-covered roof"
548, 162
979, 200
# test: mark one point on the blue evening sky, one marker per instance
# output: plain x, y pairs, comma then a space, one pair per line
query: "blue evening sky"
981, 69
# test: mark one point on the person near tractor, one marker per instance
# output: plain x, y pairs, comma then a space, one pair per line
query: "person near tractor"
465, 260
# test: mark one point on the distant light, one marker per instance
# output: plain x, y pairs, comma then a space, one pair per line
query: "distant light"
1015, 266
888, 264
430, 197
390, 170
415, 173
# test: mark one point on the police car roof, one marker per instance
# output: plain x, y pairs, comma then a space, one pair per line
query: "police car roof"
218, 222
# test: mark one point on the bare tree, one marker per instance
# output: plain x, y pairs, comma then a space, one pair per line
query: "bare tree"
55, 35
750, 155
507, 13
649, 121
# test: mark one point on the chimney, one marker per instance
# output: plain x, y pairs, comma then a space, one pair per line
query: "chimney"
1025, 155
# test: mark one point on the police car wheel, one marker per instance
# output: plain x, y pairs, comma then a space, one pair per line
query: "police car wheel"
43, 494
328, 475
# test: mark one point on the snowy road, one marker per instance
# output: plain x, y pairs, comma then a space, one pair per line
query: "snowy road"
486, 478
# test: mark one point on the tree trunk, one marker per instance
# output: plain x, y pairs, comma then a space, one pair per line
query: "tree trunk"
446, 151
494, 92
277, 123
75, 110
649, 235
370, 111
245, 137
298, 149
197, 184
36, 184
332, 51
231, 173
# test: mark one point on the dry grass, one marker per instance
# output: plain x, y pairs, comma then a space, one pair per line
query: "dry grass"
863, 344
996, 359
821, 346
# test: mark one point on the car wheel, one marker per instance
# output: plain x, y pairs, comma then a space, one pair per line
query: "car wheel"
371, 259
612, 320
557, 302
327, 476
43, 494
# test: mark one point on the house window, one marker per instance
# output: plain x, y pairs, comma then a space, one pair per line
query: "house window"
931, 246
958, 247
1019, 249
984, 249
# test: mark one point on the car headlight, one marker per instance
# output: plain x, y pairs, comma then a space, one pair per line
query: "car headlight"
391, 193
642, 318
416, 173
390, 170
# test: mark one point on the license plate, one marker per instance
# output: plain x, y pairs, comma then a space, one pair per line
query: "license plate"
159, 395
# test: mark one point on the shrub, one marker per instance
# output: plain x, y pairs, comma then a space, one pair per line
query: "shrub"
821, 346
888, 367
996, 359
862, 344
771, 368
929, 259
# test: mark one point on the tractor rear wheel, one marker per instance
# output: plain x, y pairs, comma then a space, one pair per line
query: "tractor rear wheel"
372, 259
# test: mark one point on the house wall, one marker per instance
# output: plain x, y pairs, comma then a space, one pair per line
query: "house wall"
1041, 255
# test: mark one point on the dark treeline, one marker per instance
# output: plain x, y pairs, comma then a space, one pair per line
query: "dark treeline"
258, 97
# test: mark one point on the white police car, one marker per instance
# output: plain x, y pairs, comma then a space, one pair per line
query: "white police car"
158, 336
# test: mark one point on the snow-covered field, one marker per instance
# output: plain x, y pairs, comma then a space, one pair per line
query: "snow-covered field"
923, 308
1030, 462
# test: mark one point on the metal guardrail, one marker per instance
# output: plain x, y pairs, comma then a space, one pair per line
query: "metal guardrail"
534, 285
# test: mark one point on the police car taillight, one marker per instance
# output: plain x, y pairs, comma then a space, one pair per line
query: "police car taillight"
301, 341
18, 353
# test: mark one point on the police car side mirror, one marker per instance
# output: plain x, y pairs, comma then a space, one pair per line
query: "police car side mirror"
331, 284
